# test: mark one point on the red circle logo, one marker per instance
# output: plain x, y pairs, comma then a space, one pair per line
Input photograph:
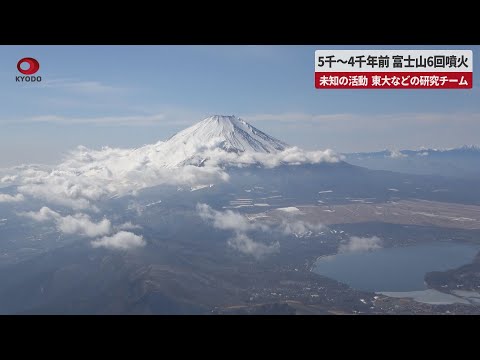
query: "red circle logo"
33, 66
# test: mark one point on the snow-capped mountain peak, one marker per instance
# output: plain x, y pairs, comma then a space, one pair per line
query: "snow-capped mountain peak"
218, 134
220, 140
228, 133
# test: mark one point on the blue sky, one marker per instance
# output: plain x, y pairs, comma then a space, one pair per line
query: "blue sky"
127, 96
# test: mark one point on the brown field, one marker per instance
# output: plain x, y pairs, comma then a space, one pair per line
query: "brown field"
407, 212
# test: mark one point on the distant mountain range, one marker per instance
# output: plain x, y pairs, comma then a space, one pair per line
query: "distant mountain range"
458, 162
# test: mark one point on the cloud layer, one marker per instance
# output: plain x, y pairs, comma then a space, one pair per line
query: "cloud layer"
290, 156
87, 176
246, 245
8, 179
396, 154
240, 225
5, 198
122, 240
82, 225
360, 244
299, 228
288, 225
77, 224
228, 219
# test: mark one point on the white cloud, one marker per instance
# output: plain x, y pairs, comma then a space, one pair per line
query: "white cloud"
227, 220
246, 245
358, 244
83, 87
6, 198
8, 179
122, 240
128, 226
44, 214
241, 226
79, 224
290, 156
92, 87
87, 176
289, 209
82, 225
230, 220
138, 115
133, 120
291, 224
395, 154
299, 227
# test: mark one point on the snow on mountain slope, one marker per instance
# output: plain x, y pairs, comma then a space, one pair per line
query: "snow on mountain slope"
196, 156
227, 140
227, 133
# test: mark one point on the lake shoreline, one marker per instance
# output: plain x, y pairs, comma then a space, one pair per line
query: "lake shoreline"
395, 269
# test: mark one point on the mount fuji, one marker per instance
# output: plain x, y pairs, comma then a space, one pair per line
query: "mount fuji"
227, 140
225, 132
216, 135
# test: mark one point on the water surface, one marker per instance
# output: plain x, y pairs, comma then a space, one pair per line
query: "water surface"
395, 269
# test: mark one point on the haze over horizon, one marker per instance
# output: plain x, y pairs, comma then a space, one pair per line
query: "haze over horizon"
113, 96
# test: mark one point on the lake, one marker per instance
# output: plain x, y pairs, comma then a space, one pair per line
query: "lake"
399, 269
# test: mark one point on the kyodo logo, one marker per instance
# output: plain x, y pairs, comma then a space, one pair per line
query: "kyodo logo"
28, 66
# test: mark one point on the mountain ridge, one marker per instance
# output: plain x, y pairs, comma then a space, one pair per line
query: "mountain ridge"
424, 151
